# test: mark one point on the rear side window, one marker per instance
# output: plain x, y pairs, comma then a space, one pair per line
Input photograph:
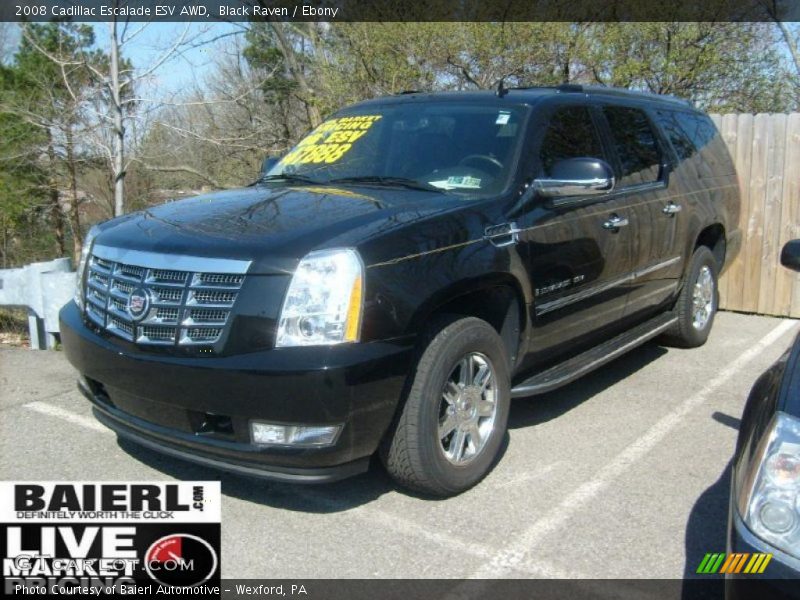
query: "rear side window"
570, 134
681, 142
636, 144
697, 128
695, 137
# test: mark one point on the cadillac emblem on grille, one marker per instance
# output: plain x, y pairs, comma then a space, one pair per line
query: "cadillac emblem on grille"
138, 303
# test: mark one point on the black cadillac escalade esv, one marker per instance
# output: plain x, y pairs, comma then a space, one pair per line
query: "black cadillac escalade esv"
394, 280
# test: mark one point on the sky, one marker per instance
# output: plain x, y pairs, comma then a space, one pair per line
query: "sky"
181, 70
148, 45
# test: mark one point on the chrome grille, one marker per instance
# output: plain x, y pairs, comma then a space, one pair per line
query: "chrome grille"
208, 315
131, 271
123, 328
159, 335
186, 307
123, 286
201, 335
164, 275
219, 279
166, 295
168, 314
118, 304
211, 297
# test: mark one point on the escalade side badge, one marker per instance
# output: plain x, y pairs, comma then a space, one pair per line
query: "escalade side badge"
506, 234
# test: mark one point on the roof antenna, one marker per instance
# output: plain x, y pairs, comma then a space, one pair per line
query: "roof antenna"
501, 89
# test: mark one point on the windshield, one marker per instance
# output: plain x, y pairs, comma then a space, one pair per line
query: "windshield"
465, 149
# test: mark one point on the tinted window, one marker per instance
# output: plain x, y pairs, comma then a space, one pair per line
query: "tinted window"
697, 128
712, 147
570, 134
697, 136
670, 122
636, 145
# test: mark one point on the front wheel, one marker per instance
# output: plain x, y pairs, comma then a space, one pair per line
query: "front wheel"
453, 421
697, 302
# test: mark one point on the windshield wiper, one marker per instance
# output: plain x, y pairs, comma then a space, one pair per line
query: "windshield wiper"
290, 177
405, 182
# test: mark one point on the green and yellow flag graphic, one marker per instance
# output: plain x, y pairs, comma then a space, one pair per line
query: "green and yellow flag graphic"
734, 563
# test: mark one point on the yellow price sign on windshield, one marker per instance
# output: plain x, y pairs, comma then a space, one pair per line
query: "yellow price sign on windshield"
330, 141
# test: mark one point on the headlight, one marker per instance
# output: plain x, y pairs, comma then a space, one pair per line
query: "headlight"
323, 304
86, 250
769, 501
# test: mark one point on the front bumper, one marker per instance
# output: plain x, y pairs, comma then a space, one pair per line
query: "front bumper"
166, 402
780, 578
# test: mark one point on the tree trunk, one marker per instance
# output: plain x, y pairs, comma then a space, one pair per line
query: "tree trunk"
5, 242
296, 70
56, 216
118, 163
74, 214
790, 43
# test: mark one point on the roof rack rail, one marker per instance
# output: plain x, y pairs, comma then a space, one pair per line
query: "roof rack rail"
614, 91
404, 92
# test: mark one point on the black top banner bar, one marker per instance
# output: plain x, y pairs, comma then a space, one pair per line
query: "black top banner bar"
400, 10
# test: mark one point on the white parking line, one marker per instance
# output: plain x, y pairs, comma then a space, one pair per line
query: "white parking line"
514, 555
533, 475
407, 527
65, 415
394, 521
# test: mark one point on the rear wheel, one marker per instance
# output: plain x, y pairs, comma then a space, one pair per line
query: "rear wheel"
697, 303
453, 421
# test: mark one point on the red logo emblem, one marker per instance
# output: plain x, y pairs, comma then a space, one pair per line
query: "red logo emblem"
138, 303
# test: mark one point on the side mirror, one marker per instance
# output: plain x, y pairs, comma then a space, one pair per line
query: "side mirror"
268, 163
576, 177
790, 255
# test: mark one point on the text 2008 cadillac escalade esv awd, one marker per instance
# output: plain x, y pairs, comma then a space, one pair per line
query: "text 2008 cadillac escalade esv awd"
395, 279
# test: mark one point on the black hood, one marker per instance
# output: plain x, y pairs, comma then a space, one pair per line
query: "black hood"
273, 227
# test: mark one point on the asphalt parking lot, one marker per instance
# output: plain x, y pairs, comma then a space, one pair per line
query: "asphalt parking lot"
624, 474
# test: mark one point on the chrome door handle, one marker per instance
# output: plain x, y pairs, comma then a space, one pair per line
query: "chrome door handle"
615, 222
671, 208
503, 235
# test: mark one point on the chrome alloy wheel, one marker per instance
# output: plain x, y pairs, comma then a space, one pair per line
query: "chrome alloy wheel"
468, 408
703, 298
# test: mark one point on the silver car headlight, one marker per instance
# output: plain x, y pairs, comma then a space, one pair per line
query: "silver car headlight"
769, 498
86, 250
324, 302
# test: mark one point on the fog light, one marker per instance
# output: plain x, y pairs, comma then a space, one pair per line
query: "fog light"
777, 517
272, 434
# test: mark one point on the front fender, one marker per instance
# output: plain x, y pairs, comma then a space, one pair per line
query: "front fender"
402, 295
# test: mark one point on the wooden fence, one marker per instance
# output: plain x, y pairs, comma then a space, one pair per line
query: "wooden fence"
766, 149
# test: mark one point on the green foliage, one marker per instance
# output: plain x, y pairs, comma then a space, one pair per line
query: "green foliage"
42, 79
260, 98
263, 55
42, 110
22, 179
722, 67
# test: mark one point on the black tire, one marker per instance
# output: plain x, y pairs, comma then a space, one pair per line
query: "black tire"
413, 453
685, 333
